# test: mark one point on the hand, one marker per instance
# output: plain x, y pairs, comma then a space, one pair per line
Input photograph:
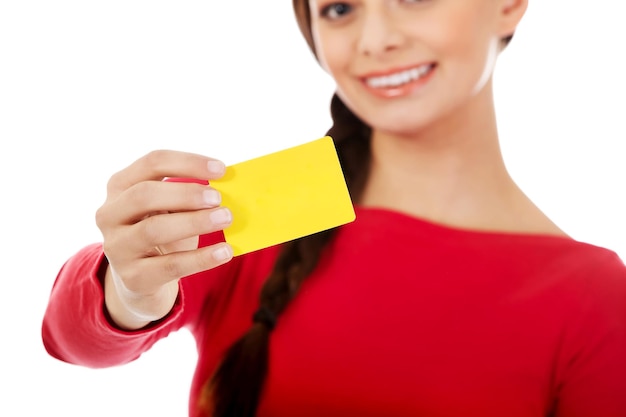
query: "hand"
151, 229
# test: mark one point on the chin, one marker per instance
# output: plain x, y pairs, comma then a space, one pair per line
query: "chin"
400, 118
399, 123
406, 131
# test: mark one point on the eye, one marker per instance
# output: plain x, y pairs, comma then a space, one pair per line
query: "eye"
335, 11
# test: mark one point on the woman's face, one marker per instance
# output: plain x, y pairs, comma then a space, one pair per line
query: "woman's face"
401, 64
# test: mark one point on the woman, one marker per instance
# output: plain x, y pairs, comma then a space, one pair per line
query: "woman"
451, 294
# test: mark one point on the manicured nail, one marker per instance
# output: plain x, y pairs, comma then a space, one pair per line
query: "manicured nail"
216, 167
223, 253
212, 197
221, 216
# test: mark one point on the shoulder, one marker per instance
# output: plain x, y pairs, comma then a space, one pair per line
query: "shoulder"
596, 274
604, 278
597, 267
591, 365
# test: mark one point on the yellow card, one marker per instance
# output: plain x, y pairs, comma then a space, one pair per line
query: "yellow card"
284, 195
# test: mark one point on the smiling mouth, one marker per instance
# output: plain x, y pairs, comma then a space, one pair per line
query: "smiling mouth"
399, 78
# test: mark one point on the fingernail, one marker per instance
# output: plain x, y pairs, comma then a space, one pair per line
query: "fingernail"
212, 197
216, 167
223, 253
221, 216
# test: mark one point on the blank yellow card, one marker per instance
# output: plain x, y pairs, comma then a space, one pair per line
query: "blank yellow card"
284, 195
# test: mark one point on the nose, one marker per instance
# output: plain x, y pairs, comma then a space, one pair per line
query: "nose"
379, 34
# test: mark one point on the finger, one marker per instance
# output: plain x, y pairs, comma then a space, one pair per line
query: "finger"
174, 266
141, 238
160, 164
151, 197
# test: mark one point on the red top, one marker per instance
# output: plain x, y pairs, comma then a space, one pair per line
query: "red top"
402, 317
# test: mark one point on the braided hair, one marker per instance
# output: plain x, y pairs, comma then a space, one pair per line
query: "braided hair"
236, 386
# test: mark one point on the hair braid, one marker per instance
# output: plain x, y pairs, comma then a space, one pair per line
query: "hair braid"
236, 387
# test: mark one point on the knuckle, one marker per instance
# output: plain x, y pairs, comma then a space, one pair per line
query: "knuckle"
107, 247
172, 268
187, 194
154, 159
140, 194
150, 231
202, 262
199, 222
117, 182
113, 181
100, 217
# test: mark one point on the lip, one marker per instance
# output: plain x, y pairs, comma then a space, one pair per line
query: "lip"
387, 72
408, 89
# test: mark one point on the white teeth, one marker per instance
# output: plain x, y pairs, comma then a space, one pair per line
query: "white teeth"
398, 79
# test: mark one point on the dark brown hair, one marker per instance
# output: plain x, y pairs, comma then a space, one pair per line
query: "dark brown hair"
236, 386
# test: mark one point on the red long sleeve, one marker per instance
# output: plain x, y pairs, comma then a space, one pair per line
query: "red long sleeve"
75, 328
402, 317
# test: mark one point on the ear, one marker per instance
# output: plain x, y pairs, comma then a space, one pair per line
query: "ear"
511, 13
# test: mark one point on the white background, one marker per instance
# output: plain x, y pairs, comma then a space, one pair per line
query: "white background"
86, 87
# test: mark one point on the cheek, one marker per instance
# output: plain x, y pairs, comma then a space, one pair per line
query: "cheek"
333, 55
456, 33
466, 50
334, 49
